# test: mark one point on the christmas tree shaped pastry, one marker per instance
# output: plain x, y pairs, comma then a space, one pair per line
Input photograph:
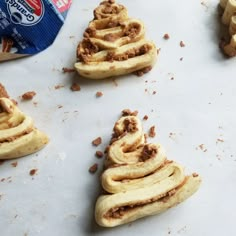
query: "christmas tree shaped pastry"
18, 135
114, 44
138, 178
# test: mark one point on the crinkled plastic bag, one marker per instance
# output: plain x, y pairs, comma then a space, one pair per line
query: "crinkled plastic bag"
28, 27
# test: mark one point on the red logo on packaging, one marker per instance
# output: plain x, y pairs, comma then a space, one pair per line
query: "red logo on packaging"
62, 5
25, 12
36, 5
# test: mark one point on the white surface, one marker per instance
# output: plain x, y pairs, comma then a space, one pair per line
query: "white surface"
198, 106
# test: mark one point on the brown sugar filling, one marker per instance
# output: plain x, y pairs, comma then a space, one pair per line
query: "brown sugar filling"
119, 212
134, 52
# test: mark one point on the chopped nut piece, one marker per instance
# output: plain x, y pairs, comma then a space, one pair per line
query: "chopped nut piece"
166, 36
145, 117
93, 168
99, 154
99, 94
97, 141
75, 87
28, 95
182, 44
68, 70
152, 132
33, 172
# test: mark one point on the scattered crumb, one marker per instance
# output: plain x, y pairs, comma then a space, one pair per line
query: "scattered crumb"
59, 106
202, 147
14, 164
3, 179
59, 86
68, 70
97, 141
152, 132
75, 87
166, 36
28, 95
145, 117
154, 92
182, 44
99, 154
99, 94
33, 172
195, 174
93, 168
71, 37
172, 78
219, 140
181, 58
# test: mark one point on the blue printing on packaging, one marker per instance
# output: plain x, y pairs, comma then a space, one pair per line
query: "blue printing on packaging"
32, 24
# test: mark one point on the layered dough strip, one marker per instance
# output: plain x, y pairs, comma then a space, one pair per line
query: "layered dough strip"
126, 59
138, 176
114, 44
229, 19
18, 136
124, 207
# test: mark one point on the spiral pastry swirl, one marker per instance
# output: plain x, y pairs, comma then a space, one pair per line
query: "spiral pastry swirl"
138, 179
18, 136
114, 44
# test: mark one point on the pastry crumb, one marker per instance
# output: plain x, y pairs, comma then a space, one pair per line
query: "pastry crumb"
97, 141
93, 168
182, 44
28, 95
145, 117
75, 87
99, 94
166, 36
99, 154
59, 86
33, 172
68, 70
152, 132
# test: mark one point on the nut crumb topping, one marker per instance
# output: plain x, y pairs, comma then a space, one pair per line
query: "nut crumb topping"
152, 132
99, 154
99, 94
97, 141
93, 168
33, 172
182, 44
28, 95
166, 36
68, 70
75, 87
14, 164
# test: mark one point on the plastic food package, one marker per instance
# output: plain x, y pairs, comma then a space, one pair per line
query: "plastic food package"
28, 27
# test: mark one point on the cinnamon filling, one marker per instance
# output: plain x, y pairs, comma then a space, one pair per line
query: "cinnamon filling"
11, 139
119, 212
132, 30
134, 52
